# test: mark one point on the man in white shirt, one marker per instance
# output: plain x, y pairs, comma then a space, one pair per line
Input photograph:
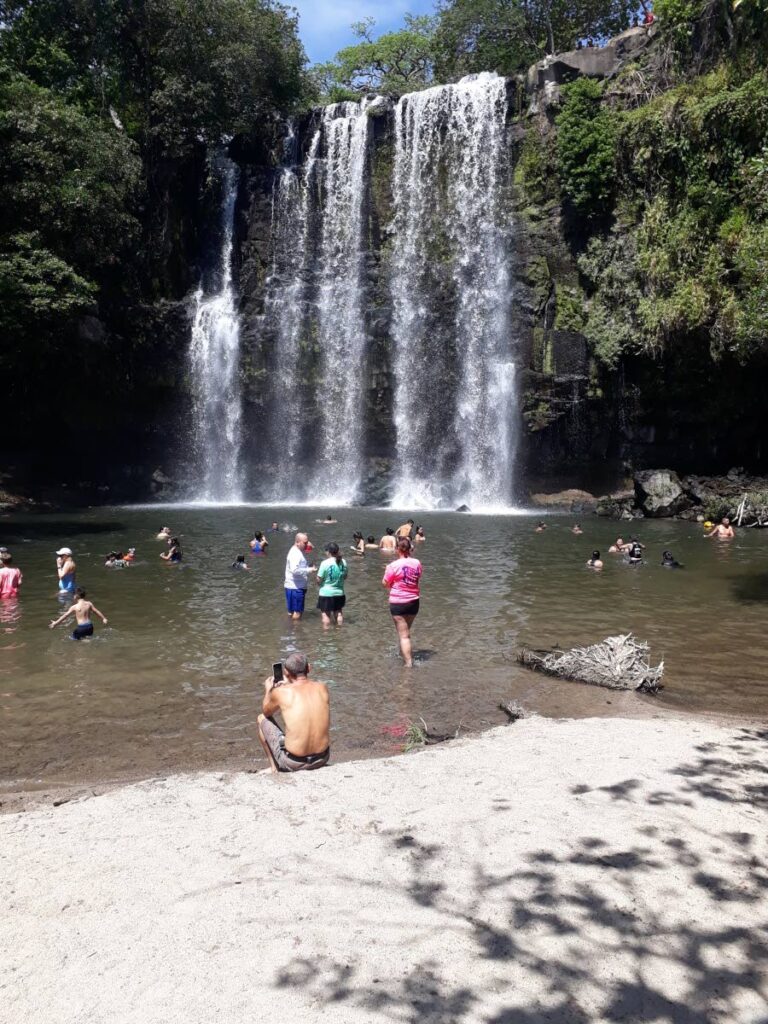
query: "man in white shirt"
297, 571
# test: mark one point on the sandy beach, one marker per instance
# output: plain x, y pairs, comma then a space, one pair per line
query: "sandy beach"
563, 871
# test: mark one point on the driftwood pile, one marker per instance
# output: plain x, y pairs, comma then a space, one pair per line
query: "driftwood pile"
618, 663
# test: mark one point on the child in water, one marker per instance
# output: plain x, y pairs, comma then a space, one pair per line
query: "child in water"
595, 561
239, 563
82, 610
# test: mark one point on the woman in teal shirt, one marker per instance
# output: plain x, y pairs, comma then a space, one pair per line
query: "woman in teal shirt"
331, 576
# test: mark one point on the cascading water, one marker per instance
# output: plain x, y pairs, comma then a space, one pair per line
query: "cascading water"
286, 311
215, 366
455, 405
341, 308
315, 311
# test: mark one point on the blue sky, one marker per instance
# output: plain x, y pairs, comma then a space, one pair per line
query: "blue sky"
324, 24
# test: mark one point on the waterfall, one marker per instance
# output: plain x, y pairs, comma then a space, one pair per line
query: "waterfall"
315, 313
286, 311
455, 404
214, 357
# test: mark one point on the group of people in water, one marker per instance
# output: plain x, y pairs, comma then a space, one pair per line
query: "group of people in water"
304, 703
633, 550
401, 578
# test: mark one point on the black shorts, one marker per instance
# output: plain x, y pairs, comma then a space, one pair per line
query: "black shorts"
410, 608
331, 604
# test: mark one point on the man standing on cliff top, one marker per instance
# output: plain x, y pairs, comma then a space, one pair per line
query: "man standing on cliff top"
297, 571
306, 709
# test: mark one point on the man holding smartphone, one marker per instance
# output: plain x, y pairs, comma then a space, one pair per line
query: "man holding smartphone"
306, 709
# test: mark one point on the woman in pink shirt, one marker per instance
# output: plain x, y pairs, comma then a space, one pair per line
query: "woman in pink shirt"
10, 578
401, 578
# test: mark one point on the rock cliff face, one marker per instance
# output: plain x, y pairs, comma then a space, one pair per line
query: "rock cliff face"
583, 424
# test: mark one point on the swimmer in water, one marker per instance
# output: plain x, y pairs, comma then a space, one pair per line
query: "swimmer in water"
359, 544
618, 547
541, 527
259, 544
419, 537
634, 551
82, 611
174, 553
274, 528
388, 542
371, 544
669, 561
130, 555
116, 560
239, 563
164, 533
723, 530
328, 521
577, 529
595, 561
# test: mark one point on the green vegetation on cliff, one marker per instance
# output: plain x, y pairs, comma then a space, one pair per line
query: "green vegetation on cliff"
107, 113
675, 185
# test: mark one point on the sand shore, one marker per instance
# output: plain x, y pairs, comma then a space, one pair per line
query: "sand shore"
564, 871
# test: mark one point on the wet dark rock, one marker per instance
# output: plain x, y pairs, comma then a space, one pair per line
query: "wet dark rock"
463, 508
571, 500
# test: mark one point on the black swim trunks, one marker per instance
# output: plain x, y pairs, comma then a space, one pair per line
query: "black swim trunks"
409, 608
80, 632
331, 604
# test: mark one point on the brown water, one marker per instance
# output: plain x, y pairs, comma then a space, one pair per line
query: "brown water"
174, 681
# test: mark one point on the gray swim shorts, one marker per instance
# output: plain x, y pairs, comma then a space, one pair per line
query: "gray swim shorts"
285, 761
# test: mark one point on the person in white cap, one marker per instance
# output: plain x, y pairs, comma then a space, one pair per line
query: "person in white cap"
65, 566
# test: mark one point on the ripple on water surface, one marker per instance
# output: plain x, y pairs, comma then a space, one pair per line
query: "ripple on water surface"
175, 680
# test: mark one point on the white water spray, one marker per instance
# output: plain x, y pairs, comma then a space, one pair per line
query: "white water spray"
215, 367
455, 396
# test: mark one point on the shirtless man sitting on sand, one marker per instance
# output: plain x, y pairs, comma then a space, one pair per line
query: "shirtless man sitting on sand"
306, 710
723, 530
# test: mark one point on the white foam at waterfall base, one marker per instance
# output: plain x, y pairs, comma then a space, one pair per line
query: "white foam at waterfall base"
456, 412
214, 358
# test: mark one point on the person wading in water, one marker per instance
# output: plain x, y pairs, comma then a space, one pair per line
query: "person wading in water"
401, 578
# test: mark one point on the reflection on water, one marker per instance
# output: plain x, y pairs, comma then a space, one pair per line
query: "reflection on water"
175, 680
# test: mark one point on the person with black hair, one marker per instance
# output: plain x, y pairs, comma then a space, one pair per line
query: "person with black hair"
174, 553
669, 561
331, 574
634, 551
595, 562
81, 609
359, 544
388, 542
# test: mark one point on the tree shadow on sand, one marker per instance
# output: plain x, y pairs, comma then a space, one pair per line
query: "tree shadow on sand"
578, 933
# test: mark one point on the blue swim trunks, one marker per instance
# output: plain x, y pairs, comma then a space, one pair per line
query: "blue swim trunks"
294, 600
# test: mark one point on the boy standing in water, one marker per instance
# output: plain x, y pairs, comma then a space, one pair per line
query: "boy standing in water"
82, 611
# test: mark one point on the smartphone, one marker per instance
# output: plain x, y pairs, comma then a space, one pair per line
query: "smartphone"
277, 672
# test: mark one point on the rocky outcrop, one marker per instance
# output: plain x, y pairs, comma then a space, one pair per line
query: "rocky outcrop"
544, 78
571, 500
659, 493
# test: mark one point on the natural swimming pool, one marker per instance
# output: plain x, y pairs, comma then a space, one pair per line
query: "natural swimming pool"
174, 682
